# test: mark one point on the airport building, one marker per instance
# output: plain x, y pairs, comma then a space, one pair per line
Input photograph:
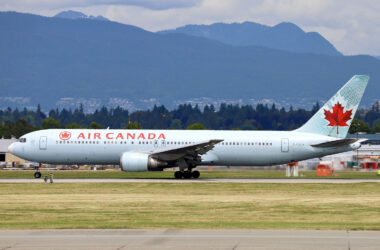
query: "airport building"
7, 158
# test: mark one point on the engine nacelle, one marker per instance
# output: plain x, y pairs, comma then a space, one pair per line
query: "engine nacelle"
138, 162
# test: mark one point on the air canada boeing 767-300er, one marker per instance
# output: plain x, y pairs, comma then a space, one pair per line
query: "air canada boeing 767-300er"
148, 150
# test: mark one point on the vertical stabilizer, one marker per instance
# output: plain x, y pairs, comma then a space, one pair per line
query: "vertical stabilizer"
335, 117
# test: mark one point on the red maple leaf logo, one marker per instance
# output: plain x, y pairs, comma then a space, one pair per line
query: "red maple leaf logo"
65, 135
337, 117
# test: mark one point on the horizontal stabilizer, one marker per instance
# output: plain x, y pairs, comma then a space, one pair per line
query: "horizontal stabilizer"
337, 143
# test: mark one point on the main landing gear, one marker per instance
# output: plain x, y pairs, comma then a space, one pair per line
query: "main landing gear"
187, 174
37, 174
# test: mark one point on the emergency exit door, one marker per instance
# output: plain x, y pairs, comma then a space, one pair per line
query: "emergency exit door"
284, 145
43, 142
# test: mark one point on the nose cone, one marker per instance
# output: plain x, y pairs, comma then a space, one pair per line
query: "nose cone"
11, 148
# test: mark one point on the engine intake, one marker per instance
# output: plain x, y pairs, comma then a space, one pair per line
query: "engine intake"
138, 162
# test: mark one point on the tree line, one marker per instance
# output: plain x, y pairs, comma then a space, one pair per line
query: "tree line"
14, 123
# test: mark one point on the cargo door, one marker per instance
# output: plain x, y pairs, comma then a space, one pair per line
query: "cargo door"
284, 145
43, 143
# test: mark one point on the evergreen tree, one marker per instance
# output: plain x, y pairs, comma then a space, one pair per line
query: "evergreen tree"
133, 125
50, 123
176, 124
95, 125
196, 126
359, 126
74, 125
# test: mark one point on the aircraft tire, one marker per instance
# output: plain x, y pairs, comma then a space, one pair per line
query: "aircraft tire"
187, 174
195, 174
37, 175
178, 175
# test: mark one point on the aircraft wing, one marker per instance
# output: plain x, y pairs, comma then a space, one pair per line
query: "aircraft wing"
191, 151
337, 143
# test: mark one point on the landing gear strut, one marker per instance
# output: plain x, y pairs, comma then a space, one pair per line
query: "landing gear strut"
37, 174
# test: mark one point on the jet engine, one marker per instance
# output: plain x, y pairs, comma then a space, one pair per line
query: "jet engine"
137, 162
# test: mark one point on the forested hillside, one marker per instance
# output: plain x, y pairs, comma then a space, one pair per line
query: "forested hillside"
262, 117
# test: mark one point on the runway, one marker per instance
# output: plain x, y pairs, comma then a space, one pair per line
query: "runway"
187, 239
156, 180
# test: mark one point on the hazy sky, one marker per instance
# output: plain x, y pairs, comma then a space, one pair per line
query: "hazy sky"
352, 26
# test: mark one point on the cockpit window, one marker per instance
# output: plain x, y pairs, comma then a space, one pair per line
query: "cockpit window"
22, 140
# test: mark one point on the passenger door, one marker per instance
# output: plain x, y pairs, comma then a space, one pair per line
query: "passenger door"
284, 145
43, 143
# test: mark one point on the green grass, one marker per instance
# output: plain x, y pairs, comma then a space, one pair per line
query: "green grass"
190, 205
204, 174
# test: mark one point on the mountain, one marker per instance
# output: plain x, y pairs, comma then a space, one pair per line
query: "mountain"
70, 14
48, 60
284, 36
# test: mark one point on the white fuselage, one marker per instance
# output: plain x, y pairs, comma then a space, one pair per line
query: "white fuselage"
248, 148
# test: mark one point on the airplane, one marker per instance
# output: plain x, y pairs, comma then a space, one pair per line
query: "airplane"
151, 150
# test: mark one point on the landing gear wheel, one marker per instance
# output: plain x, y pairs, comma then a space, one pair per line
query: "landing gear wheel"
187, 174
178, 175
37, 175
195, 174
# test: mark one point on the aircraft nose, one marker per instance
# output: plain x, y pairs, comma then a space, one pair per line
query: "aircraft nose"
11, 148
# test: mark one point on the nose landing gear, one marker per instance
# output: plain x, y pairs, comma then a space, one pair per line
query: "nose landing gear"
37, 174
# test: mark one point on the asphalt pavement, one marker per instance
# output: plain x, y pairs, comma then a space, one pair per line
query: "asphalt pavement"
187, 239
201, 180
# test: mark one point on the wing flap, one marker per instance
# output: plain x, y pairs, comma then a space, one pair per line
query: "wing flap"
190, 150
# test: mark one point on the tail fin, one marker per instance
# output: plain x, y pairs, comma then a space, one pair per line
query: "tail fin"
335, 117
